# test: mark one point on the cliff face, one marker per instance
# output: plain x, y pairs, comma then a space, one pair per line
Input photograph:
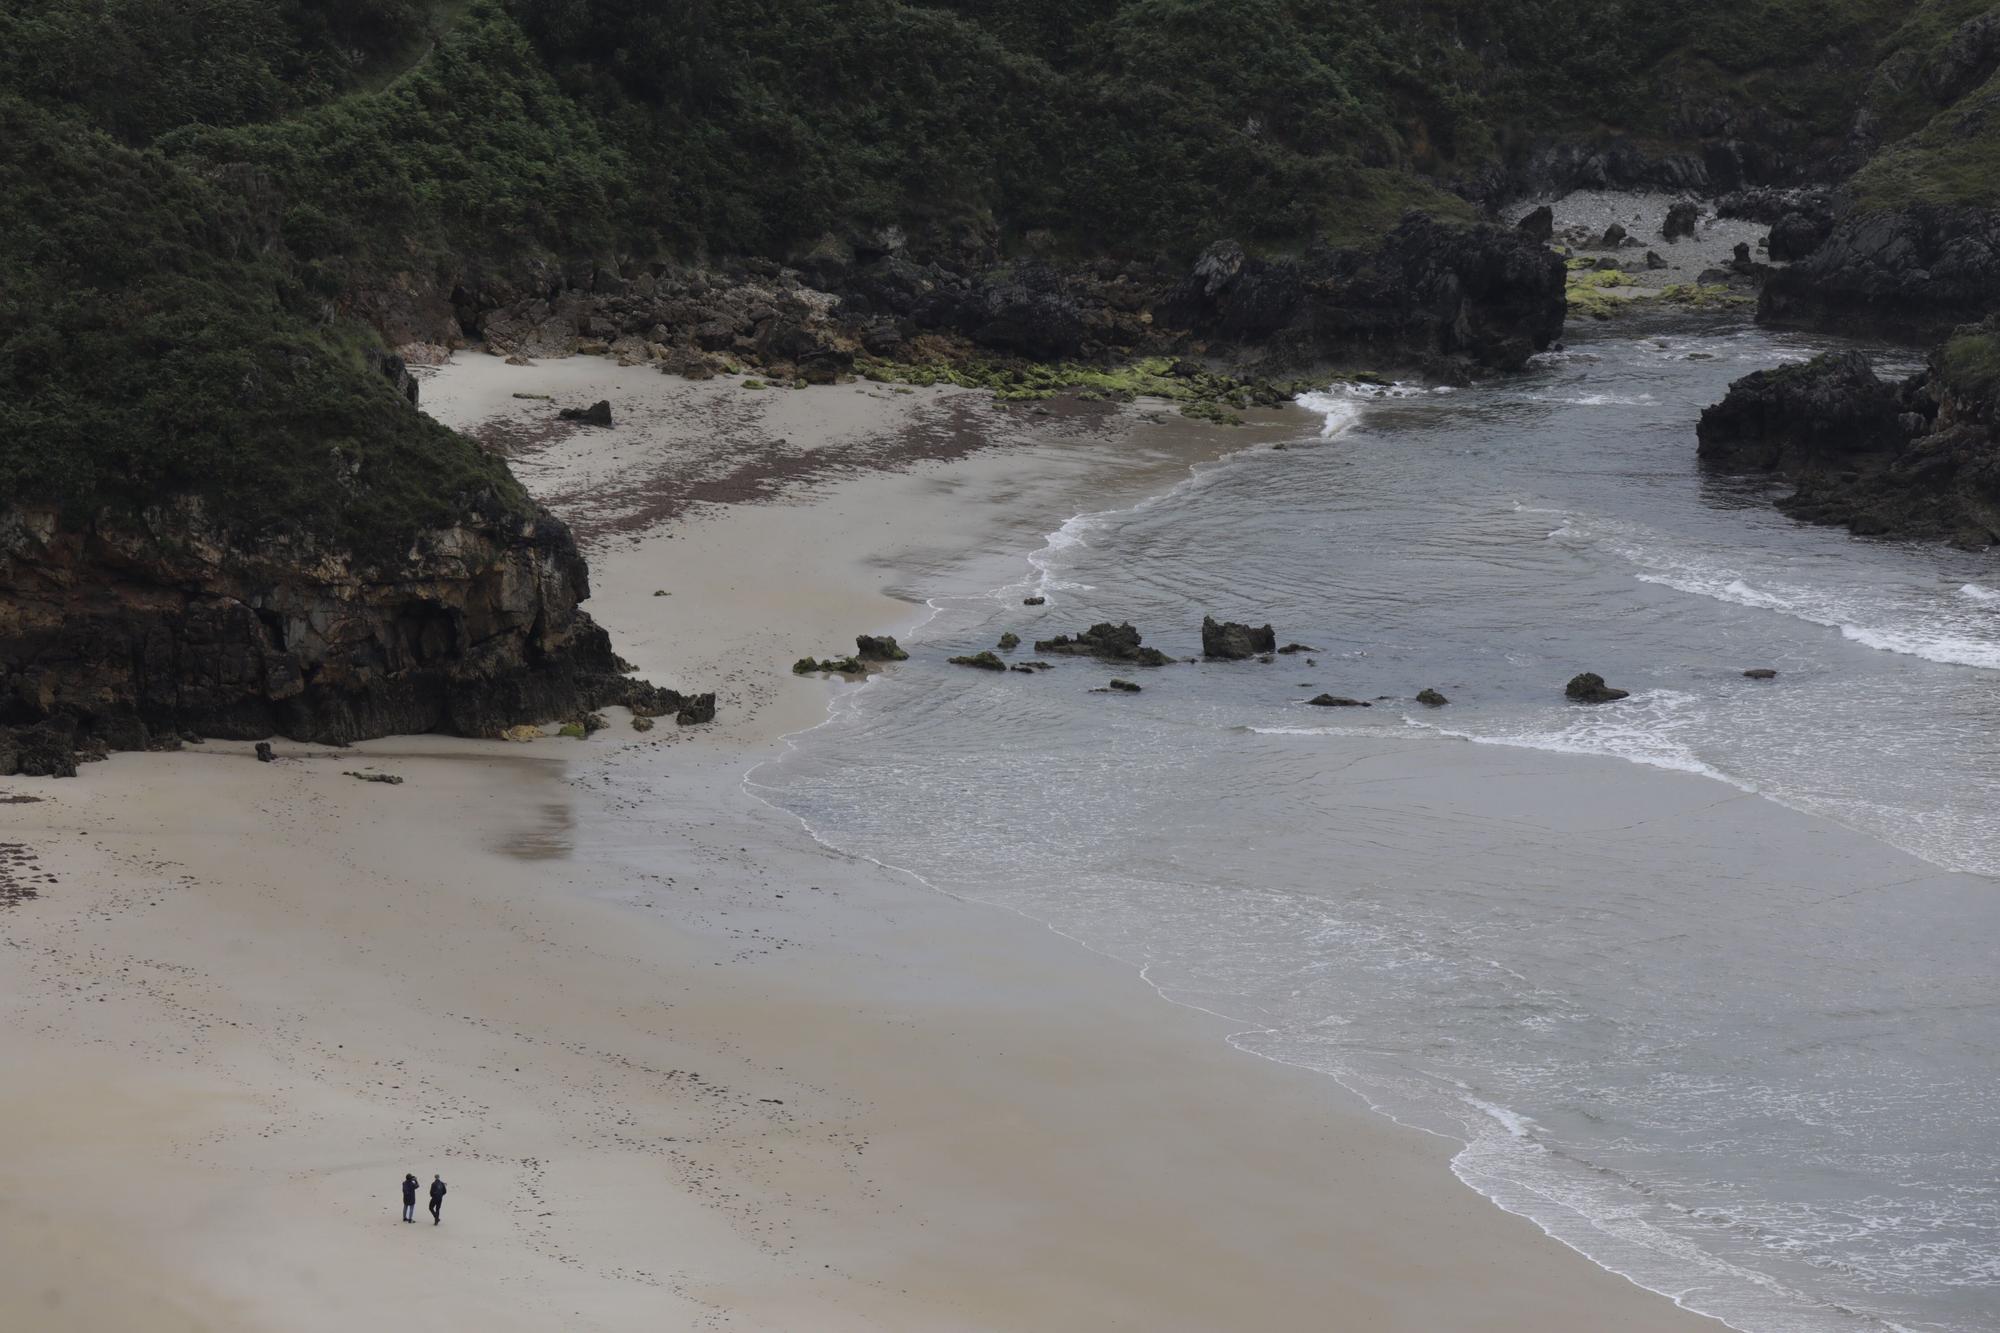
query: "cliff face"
130, 633
1915, 272
1442, 297
1918, 458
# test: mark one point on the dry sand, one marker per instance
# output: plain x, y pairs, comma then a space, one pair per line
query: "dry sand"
681, 1066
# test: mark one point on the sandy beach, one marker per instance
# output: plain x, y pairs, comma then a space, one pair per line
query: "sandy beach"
682, 1066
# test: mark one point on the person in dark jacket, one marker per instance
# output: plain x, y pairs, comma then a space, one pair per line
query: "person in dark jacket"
409, 1196
437, 1198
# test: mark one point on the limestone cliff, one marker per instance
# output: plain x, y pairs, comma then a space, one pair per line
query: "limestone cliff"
129, 633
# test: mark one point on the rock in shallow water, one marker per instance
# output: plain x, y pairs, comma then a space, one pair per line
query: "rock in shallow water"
1337, 701
1233, 641
1589, 688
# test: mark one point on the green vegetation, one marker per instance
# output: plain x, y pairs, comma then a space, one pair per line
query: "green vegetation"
191, 196
1968, 364
152, 343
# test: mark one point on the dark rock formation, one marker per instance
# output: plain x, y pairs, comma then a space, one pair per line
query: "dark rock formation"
1589, 688
265, 754
879, 648
1033, 601
1614, 236
1009, 642
1796, 235
1538, 224
843, 666
1915, 459
1106, 642
1124, 686
1914, 273
1681, 219
1431, 698
1291, 648
597, 414
1337, 701
1761, 673
1233, 641
1653, 260
1799, 418
126, 631
985, 661
1428, 295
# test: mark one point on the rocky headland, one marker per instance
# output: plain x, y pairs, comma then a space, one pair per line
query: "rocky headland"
1911, 458
141, 632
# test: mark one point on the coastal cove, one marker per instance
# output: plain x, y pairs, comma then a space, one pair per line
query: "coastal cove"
678, 1060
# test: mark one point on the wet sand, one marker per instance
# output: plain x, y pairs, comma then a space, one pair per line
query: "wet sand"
681, 1066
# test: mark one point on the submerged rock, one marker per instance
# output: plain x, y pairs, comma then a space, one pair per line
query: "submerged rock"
985, 661
1124, 686
1009, 641
1431, 698
1761, 673
1233, 641
1337, 701
1589, 688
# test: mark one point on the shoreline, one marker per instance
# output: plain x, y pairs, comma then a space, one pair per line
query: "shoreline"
582, 980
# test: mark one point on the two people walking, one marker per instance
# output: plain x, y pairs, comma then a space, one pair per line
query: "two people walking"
410, 1198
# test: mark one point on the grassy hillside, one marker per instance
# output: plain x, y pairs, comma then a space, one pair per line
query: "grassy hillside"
187, 187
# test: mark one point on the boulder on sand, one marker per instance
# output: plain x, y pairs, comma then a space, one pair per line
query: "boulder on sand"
1233, 641
597, 414
1589, 688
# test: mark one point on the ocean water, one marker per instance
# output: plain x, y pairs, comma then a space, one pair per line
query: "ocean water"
1738, 1086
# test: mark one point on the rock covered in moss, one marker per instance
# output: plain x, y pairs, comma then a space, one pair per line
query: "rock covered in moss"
984, 661
1430, 698
879, 648
1009, 641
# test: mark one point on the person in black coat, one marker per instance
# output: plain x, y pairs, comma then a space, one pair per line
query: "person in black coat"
409, 1196
437, 1198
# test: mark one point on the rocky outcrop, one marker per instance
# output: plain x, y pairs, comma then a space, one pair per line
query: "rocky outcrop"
128, 632
597, 414
1681, 220
1915, 273
1796, 235
1912, 459
1233, 641
1428, 295
879, 648
1589, 688
1538, 224
1107, 643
